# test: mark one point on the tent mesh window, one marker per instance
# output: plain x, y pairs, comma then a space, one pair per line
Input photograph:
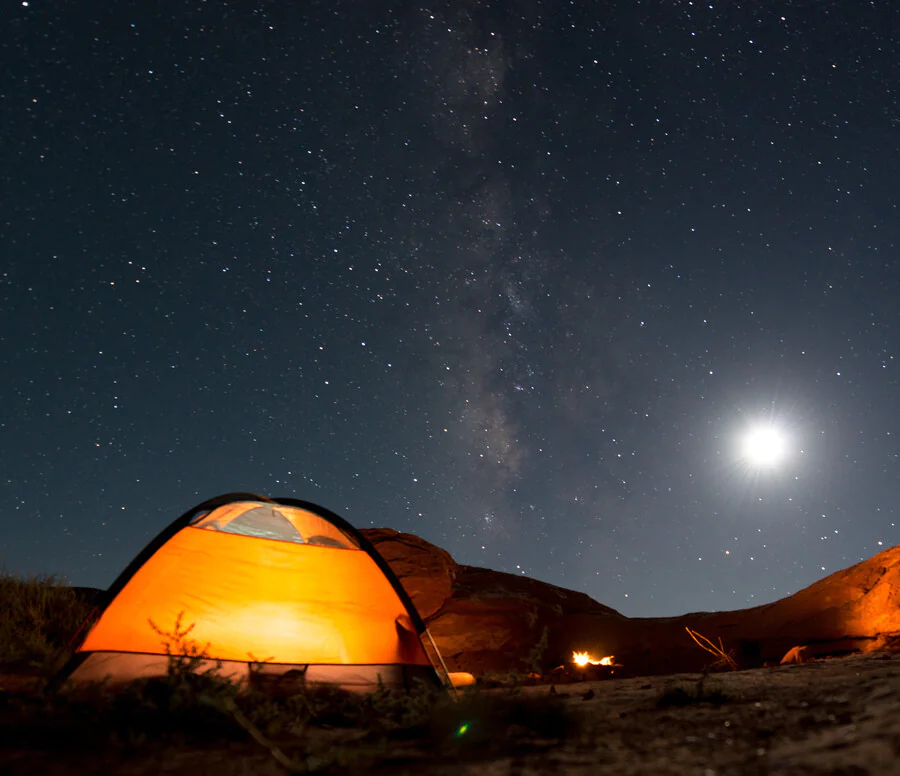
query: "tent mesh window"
280, 523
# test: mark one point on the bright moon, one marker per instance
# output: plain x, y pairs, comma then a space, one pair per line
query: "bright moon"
764, 446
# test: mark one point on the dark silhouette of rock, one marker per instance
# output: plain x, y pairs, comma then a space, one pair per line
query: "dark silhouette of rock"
488, 621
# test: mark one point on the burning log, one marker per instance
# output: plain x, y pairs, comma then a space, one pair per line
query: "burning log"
583, 659
584, 667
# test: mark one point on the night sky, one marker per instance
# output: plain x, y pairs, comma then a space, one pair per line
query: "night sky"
515, 277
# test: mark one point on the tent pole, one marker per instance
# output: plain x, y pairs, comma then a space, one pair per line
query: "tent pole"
440, 666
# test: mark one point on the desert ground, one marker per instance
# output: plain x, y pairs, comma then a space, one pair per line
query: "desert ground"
836, 716
833, 716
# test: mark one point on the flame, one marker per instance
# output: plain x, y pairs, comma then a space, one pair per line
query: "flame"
581, 659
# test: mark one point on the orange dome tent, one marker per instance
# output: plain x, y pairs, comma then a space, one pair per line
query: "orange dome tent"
279, 583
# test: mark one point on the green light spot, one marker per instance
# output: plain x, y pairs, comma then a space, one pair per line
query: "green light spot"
463, 729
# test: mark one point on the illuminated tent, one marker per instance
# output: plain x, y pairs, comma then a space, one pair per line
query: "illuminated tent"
282, 585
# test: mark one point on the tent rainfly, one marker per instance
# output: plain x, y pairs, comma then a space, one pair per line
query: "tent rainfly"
278, 584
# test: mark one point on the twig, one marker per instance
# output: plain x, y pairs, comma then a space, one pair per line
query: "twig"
292, 765
724, 658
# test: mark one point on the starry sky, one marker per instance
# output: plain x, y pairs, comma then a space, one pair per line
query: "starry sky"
515, 277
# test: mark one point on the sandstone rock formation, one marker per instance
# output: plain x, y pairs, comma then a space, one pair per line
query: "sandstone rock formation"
486, 621
427, 571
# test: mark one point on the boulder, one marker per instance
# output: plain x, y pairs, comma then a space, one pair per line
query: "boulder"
426, 571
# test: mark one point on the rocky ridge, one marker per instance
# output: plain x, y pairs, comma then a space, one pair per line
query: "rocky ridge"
489, 621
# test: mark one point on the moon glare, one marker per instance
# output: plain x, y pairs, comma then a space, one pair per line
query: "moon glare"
764, 446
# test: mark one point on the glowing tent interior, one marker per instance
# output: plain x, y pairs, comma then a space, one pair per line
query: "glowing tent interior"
279, 584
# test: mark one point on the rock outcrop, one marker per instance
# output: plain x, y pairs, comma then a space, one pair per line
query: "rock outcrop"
488, 621
427, 571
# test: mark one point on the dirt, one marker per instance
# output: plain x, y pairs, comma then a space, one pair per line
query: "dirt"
835, 716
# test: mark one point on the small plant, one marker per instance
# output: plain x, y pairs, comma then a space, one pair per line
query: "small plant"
535, 658
723, 659
681, 695
388, 710
185, 654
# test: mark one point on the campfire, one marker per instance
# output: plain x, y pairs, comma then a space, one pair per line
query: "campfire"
582, 659
585, 667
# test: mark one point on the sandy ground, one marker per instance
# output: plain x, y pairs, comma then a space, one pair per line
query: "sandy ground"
838, 717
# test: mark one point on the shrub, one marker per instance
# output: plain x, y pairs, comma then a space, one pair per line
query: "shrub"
39, 616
